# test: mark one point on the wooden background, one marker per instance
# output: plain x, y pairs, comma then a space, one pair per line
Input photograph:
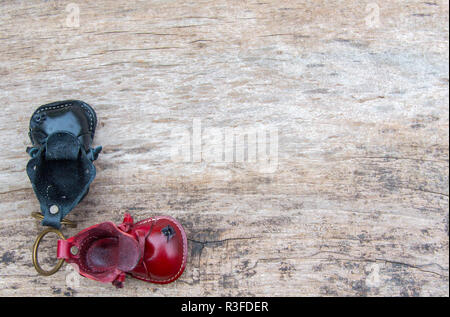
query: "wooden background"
358, 205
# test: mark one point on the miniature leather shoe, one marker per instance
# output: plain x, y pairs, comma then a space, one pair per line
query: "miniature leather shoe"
153, 250
61, 168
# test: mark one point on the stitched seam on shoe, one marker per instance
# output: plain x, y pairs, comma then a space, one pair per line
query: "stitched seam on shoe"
182, 262
91, 123
53, 107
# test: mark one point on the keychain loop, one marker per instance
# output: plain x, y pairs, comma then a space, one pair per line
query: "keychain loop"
66, 222
35, 253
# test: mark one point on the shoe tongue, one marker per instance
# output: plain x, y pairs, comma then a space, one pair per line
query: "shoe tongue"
62, 146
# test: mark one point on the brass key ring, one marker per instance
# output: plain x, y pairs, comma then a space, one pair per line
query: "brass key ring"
35, 253
66, 222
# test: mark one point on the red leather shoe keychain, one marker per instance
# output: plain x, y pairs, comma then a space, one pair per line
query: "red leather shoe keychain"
153, 250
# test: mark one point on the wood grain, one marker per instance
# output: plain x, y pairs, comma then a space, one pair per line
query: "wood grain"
358, 205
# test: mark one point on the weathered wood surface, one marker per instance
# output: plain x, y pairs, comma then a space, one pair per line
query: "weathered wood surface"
359, 202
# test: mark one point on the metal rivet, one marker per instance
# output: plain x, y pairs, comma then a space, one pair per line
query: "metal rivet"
74, 250
54, 209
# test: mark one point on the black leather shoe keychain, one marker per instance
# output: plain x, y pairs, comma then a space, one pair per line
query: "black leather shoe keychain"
61, 167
